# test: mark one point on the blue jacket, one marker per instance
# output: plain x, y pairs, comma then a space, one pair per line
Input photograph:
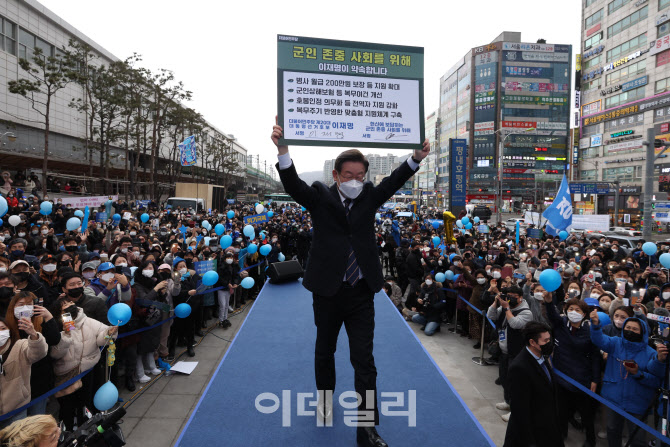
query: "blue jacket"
630, 393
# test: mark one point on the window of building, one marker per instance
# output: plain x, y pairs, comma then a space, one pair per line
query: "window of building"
623, 174
590, 2
662, 58
615, 5
590, 130
625, 122
627, 48
662, 85
588, 174
593, 62
592, 152
623, 98
7, 36
663, 30
593, 18
626, 72
28, 42
593, 40
663, 4
628, 21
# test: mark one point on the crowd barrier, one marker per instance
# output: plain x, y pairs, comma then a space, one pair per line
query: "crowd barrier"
120, 336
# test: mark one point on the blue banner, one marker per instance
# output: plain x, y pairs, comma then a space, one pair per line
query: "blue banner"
203, 267
559, 213
187, 151
458, 155
255, 219
142, 203
231, 201
101, 217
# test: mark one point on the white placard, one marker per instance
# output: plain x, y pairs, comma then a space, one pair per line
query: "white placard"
91, 202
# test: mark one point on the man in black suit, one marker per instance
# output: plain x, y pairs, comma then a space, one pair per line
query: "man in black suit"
533, 391
343, 270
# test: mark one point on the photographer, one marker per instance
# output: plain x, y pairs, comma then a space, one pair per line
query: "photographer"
33, 431
432, 303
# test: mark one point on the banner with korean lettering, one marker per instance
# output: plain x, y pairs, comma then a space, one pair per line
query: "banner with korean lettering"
458, 155
559, 213
187, 151
342, 93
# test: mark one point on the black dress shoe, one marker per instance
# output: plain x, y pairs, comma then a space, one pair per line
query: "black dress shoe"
199, 333
191, 351
368, 436
130, 383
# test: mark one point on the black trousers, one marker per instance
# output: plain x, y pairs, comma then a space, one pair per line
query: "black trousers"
353, 307
568, 402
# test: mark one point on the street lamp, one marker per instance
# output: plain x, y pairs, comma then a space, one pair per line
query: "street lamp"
500, 167
10, 136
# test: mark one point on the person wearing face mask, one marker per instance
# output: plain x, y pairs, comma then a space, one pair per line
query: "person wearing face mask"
579, 359
108, 285
41, 378
77, 351
431, 305
184, 328
48, 277
17, 251
229, 279
396, 293
27, 282
510, 313
414, 264
479, 283
534, 390
7, 291
72, 285
633, 372
16, 358
347, 267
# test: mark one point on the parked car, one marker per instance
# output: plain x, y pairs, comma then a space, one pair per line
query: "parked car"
483, 212
626, 230
627, 243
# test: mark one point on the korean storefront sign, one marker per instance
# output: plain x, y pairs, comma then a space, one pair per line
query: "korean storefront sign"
341, 93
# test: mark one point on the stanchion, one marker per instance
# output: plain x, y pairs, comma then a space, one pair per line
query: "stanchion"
481, 360
455, 317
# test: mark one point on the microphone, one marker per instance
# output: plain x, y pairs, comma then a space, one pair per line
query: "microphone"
660, 318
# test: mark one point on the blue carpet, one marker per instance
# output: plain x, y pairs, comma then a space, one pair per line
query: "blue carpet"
274, 351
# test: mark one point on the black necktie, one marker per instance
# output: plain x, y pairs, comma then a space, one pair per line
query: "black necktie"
352, 272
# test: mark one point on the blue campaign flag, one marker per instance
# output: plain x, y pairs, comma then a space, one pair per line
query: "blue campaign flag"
395, 231
187, 151
559, 213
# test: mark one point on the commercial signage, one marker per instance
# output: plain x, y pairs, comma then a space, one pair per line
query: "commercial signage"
520, 124
592, 74
634, 108
624, 60
485, 128
536, 100
578, 62
625, 160
622, 133
622, 139
486, 58
639, 2
457, 158
536, 56
631, 189
340, 93
597, 50
596, 140
531, 72
612, 89
575, 155
589, 188
489, 47
551, 126
625, 146
661, 128
592, 30
664, 178
584, 143
542, 47
534, 86
591, 108
635, 83
661, 44
662, 18
578, 98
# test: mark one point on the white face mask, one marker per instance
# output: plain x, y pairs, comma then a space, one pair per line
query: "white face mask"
429, 282
229, 260
49, 268
666, 295
496, 275
595, 295
25, 310
45, 231
4, 336
124, 250
183, 271
539, 296
107, 277
148, 273
618, 323
22, 234
123, 264
3, 269
575, 317
481, 280
351, 189
133, 233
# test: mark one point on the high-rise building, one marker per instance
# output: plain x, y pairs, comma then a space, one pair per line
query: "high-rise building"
510, 101
624, 90
425, 178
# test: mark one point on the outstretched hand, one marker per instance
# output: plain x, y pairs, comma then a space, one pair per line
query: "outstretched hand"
420, 154
277, 133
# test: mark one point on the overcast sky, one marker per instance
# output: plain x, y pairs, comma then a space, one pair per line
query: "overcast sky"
225, 52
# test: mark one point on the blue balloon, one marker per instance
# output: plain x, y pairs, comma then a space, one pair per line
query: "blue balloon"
119, 314
459, 224
247, 283
73, 223
116, 217
1, 222
182, 310
4, 207
265, 249
563, 235
665, 259
249, 231
252, 248
449, 275
468, 226
219, 229
281, 257
378, 216
550, 280
476, 219
270, 214
226, 241
436, 224
440, 277
106, 397
210, 278
465, 220
436, 241
144, 217
303, 209
603, 318
649, 248
46, 208
451, 257
79, 213
230, 214
205, 224
84, 223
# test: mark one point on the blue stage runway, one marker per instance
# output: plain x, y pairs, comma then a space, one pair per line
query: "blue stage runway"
273, 353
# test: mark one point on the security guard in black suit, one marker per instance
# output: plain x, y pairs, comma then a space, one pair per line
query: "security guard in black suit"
343, 271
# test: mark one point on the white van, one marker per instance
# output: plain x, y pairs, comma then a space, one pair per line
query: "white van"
185, 203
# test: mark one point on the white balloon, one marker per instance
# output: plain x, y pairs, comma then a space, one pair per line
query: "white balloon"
259, 208
14, 220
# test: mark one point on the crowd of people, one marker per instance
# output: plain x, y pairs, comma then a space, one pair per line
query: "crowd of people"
57, 286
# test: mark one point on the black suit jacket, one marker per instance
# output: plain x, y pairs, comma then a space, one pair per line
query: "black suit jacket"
333, 234
534, 418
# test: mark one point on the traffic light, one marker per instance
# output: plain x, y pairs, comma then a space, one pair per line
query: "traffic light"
658, 143
653, 206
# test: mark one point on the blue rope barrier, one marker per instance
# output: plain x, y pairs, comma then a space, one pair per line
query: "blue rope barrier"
608, 404
137, 331
469, 304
